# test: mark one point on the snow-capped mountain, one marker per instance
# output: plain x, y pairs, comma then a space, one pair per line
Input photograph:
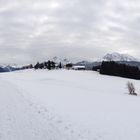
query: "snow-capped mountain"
119, 57
83, 63
62, 60
9, 67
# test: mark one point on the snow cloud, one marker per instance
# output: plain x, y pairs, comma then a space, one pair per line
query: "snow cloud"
32, 30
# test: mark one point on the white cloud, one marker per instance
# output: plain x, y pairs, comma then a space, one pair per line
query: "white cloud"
36, 30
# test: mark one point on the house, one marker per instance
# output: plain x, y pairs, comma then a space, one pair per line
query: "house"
69, 66
78, 67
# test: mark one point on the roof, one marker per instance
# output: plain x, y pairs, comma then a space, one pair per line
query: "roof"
78, 67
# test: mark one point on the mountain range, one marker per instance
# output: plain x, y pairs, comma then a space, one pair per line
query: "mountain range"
120, 58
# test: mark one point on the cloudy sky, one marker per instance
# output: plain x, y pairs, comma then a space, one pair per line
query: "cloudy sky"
32, 30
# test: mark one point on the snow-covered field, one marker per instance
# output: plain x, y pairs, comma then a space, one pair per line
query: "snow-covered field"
67, 105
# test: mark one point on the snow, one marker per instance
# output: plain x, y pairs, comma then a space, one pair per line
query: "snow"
67, 105
119, 57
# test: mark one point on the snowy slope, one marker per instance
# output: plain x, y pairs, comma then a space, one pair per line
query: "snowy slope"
67, 105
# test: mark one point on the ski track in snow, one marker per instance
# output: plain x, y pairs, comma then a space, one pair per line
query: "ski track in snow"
22, 119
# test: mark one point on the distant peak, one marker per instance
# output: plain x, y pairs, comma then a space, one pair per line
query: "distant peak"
119, 57
58, 60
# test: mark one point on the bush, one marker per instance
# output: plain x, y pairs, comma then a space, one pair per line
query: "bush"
131, 88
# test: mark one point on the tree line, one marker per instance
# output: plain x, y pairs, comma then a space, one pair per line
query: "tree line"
47, 65
122, 70
50, 65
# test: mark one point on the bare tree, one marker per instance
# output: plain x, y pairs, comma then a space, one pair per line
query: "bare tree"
131, 88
